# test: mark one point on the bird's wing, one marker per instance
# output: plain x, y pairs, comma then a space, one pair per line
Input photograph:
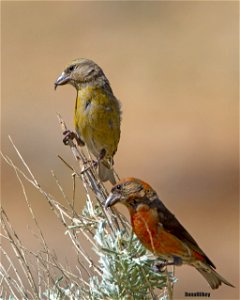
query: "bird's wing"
173, 226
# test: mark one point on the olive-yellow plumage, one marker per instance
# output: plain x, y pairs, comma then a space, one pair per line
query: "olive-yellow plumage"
97, 112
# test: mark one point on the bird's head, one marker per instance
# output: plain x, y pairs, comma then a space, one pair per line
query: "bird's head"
131, 192
79, 72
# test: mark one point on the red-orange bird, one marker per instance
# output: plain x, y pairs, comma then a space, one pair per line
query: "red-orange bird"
159, 231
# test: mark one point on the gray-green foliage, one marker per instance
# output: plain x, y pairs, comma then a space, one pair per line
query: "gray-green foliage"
121, 270
127, 269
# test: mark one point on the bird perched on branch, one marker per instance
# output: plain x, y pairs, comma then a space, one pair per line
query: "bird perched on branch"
97, 113
159, 230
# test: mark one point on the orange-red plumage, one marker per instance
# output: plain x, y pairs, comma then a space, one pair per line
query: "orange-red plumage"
155, 238
159, 230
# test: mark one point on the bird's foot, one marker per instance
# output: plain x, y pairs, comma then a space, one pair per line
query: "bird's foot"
71, 135
160, 266
95, 163
101, 156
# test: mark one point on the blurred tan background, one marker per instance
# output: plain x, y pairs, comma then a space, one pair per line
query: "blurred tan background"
174, 66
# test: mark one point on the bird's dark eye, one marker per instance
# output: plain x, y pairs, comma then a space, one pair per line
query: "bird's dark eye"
134, 201
119, 187
71, 68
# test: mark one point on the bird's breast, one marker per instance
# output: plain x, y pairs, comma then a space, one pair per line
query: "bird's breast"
145, 225
97, 120
154, 237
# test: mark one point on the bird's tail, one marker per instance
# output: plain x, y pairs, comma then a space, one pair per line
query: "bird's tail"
105, 173
213, 278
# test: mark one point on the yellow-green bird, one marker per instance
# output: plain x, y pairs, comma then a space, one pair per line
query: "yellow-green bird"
97, 112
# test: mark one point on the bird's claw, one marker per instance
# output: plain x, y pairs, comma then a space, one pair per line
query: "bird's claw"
160, 266
71, 135
102, 155
94, 164
68, 135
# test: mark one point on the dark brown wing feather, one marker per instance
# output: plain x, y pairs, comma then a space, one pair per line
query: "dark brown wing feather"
172, 225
